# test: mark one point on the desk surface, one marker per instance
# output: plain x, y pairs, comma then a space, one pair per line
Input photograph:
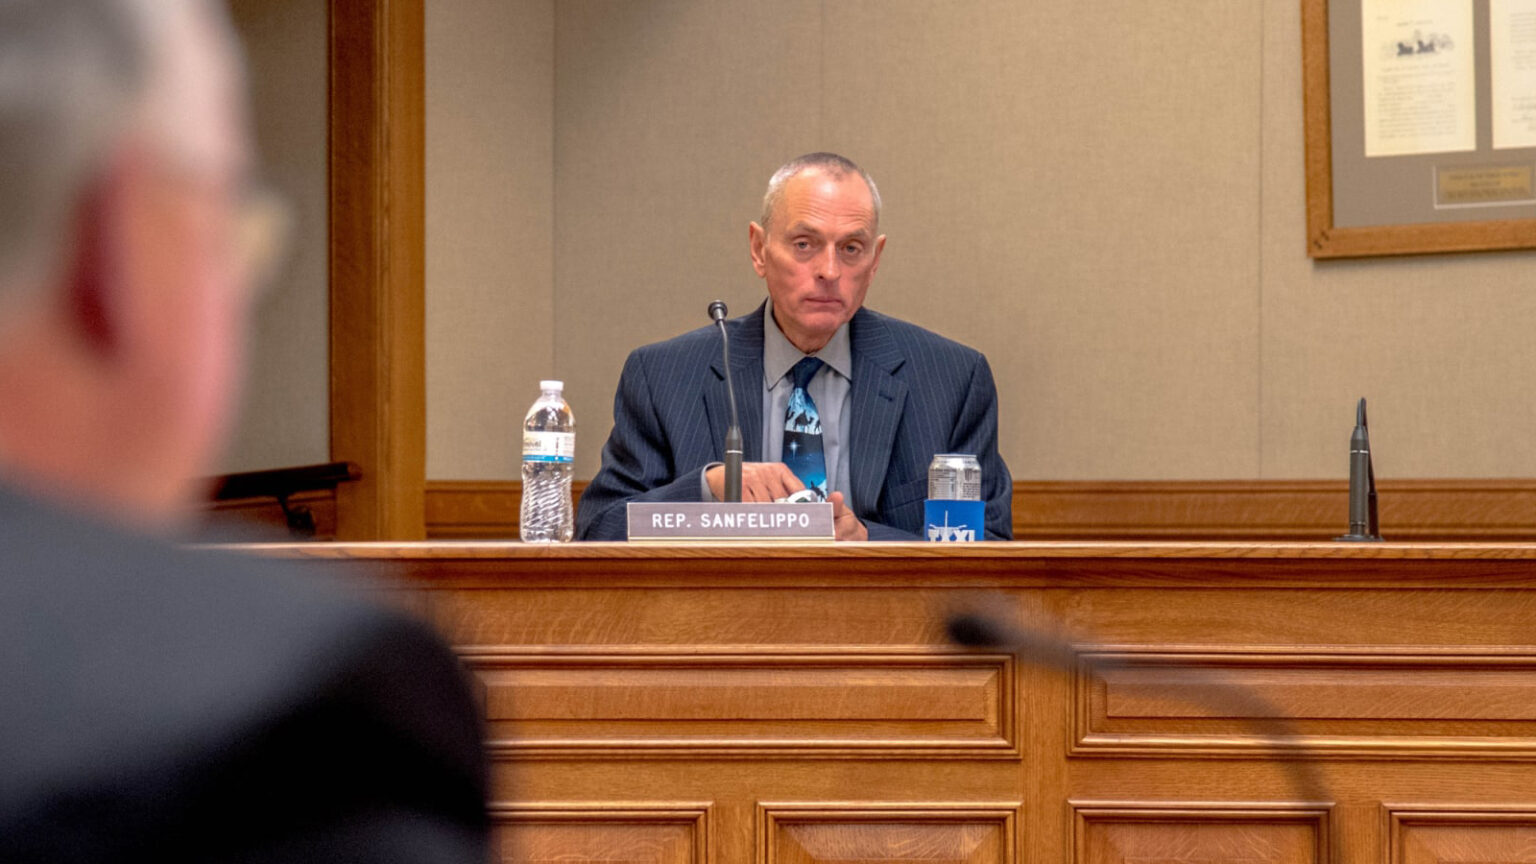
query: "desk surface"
1020, 550
1016, 564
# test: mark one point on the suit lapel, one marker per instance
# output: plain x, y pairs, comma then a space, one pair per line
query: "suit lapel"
877, 402
746, 335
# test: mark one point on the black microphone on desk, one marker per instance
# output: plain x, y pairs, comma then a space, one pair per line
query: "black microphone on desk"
717, 314
1213, 687
1363, 524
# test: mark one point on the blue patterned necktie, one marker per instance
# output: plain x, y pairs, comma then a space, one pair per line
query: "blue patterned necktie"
802, 431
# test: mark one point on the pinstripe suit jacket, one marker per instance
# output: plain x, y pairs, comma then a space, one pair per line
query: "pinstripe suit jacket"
915, 394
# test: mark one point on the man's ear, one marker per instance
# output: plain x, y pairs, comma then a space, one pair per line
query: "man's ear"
89, 275
874, 266
757, 241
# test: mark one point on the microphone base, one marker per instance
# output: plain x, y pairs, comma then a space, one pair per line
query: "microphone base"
1359, 538
733, 475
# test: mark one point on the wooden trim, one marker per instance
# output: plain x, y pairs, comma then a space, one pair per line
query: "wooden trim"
475, 509
377, 271
1318, 126
1477, 566
1411, 510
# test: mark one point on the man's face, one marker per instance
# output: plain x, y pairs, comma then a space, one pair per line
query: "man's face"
818, 254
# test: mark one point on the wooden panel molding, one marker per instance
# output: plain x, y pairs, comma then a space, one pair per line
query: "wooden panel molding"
377, 164
1128, 833
1411, 510
1447, 703
476, 509
1325, 625
607, 832
1444, 835
931, 704
1279, 510
821, 833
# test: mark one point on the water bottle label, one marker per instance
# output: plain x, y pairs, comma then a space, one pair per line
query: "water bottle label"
549, 446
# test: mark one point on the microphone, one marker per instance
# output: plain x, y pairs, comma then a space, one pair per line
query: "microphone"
717, 314
1363, 524
986, 625
973, 629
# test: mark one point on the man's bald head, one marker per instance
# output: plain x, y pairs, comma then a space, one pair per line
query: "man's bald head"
832, 163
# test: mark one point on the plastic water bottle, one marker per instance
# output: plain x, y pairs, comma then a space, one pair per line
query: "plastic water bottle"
549, 446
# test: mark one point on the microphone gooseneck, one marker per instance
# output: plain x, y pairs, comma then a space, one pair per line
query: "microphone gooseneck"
1209, 687
717, 313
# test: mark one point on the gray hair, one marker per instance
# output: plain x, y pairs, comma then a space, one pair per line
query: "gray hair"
71, 75
832, 163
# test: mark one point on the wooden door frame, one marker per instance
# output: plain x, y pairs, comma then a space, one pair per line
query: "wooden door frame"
376, 159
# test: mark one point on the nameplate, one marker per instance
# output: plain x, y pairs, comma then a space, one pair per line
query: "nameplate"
713, 521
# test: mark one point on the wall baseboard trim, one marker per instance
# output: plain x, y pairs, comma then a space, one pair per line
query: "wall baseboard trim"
1411, 510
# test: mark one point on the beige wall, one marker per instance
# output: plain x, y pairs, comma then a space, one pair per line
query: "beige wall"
1106, 197
1061, 191
490, 210
286, 420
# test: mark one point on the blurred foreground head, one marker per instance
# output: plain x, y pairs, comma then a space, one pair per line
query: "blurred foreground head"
127, 246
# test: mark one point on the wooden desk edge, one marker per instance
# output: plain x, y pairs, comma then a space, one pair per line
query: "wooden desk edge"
994, 551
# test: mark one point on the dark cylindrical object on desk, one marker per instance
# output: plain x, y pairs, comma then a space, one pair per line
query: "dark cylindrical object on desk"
1359, 483
733, 464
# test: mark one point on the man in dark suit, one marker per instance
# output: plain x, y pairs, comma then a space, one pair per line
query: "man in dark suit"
158, 703
883, 396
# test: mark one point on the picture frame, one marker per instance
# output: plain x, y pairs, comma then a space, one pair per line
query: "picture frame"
1337, 167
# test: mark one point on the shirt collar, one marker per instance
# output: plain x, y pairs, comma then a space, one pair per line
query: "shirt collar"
780, 355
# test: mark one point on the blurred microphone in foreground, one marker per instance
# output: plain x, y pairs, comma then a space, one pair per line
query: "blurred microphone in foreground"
1208, 686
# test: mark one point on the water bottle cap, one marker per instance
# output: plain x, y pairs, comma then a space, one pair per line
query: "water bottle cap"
556, 386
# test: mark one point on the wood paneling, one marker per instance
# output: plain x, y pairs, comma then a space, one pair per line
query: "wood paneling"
622, 678
1329, 702
1200, 834
377, 301
936, 705
475, 509
1411, 510
602, 833
1284, 510
827, 833
1432, 835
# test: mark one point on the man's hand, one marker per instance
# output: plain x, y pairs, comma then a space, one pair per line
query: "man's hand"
760, 481
770, 481
848, 525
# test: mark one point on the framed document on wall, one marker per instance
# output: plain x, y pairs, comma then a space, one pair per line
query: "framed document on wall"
1420, 126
